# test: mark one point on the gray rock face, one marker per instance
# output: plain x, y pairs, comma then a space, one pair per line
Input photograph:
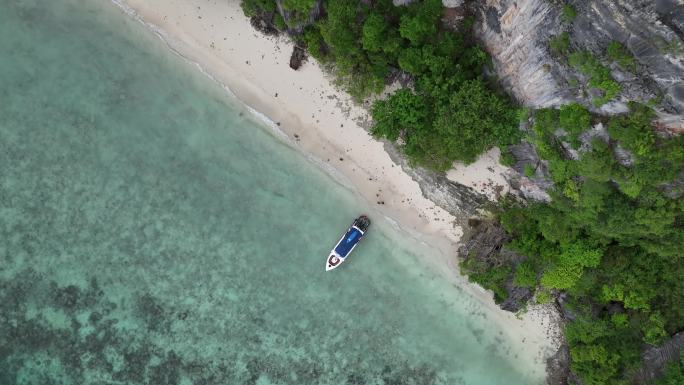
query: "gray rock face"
445, 3
656, 358
458, 200
557, 368
452, 3
516, 34
534, 188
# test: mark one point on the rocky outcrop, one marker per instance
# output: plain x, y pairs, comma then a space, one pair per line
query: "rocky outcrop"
516, 34
656, 358
485, 243
445, 3
458, 200
263, 23
557, 368
298, 57
534, 187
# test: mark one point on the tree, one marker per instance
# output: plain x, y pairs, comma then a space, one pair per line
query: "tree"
599, 163
573, 118
634, 131
374, 31
411, 61
314, 43
674, 373
472, 121
402, 111
654, 329
254, 7
422, 24
301, 6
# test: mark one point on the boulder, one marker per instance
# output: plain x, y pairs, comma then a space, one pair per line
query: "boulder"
297, 58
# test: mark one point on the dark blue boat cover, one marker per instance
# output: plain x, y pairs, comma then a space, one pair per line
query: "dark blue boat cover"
352, 237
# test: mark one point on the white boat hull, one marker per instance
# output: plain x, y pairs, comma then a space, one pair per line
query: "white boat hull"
333, 261
350, 239
334, 258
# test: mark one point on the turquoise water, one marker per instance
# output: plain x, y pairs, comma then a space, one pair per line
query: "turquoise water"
152, 233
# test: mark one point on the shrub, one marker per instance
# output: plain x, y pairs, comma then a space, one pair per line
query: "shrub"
568, 13
654, 329
315, 44
300, 6
506, 158
560, 45
618, 53
674, 373
422, 23
529, 170
525, 275
598, 74
489, 277
634, 132
254, 7
402, 111
573, 118
543, 296
357, 70
279, 22
374, 30
474, 120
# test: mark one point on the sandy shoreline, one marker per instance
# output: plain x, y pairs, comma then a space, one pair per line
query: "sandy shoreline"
322, 121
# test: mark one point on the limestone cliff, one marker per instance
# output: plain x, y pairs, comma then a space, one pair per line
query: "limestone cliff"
516, 33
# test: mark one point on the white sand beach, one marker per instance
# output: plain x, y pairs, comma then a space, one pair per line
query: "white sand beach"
323, 122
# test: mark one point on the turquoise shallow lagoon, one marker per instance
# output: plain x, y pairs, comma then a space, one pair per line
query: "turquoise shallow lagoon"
151, 232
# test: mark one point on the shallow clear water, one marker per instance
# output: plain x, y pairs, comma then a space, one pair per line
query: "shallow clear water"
152, 232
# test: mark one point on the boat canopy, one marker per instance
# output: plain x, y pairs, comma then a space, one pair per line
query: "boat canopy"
348, 241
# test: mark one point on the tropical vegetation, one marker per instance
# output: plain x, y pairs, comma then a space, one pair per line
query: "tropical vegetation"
610, 242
